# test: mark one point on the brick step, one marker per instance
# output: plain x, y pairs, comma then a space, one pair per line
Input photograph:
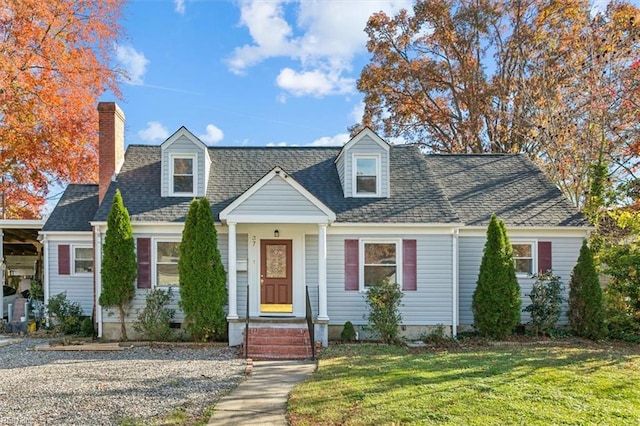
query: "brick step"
279, 352
279, 331
272, 356
279, 343
279, 340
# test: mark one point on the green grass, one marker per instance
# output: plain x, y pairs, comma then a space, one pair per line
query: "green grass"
564, 383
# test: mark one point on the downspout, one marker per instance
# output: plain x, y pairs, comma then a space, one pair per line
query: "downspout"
97, 270
454, 279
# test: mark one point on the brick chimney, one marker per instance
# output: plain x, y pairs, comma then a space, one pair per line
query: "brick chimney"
110, 144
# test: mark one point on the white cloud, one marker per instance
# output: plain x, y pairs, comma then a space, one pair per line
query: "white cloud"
322, 36
314, 83
179, 6
155, 131
213, 135
133, 63
337, 140
279, 144
269, 31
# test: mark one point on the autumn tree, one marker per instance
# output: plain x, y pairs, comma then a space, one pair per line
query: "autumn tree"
119, 266
542, 77
55, 61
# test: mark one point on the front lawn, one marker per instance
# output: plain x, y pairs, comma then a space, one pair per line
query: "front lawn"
557, 383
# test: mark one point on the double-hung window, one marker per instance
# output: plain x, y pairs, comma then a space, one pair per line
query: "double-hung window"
167, 253
380, 262
366, 175
523, 256
82, 260
183, 175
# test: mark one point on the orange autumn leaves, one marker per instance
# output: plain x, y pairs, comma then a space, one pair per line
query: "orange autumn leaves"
55, 61
545, 77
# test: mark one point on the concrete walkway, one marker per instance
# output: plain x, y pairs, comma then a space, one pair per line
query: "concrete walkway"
262, 398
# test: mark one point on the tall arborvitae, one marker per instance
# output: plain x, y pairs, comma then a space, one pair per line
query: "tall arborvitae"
496, 299
512, 287
586, 309
202, 275
119, 268
219, 275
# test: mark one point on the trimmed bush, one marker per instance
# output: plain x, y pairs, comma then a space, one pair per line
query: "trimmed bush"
65, 315
586, 308
383, 300
154, 321
496, 300
348, 332
86, 328
546, 303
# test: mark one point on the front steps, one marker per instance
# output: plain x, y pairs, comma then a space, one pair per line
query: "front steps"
281, 342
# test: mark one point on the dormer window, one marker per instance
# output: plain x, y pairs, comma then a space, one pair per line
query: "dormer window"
183, 174
366, 175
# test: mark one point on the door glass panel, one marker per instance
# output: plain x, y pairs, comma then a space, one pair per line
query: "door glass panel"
276, 261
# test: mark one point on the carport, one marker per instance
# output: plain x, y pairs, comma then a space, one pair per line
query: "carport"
20, 254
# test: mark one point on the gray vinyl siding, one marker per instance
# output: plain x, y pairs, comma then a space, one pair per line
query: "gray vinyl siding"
186, 147
139, 300
340, 167
469, 257
564, 250
78, 288
366, 146
242, 253
431, 304
276, 197
311, 270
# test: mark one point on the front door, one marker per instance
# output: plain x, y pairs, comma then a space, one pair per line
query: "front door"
276, 284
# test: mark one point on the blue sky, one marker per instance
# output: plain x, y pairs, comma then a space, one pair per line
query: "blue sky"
245, 72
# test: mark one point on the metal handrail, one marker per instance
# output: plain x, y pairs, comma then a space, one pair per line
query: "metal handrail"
246, 327
309, 316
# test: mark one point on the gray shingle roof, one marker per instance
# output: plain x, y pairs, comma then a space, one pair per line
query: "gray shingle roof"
75, 209
415, 194
509, 185
424, 189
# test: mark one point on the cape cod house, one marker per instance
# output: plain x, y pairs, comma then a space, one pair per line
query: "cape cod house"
312, 227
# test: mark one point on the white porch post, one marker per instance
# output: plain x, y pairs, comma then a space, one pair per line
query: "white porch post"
233, 282
322, 272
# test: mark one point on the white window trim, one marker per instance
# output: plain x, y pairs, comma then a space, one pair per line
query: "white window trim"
172, 158
72, 255
154, 266
354, 175
399, 263
534, 257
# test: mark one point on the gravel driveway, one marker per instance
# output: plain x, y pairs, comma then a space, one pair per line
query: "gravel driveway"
136, 385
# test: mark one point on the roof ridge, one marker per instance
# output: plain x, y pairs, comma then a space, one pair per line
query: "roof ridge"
474, 154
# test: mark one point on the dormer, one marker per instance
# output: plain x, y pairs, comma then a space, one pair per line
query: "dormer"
363, 166
185, 165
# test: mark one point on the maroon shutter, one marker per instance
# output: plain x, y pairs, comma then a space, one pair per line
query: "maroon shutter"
64, 259
409, 267
544, 256
351, 266
144, 262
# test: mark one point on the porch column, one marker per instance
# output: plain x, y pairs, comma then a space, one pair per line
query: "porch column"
233, 282
322, 272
